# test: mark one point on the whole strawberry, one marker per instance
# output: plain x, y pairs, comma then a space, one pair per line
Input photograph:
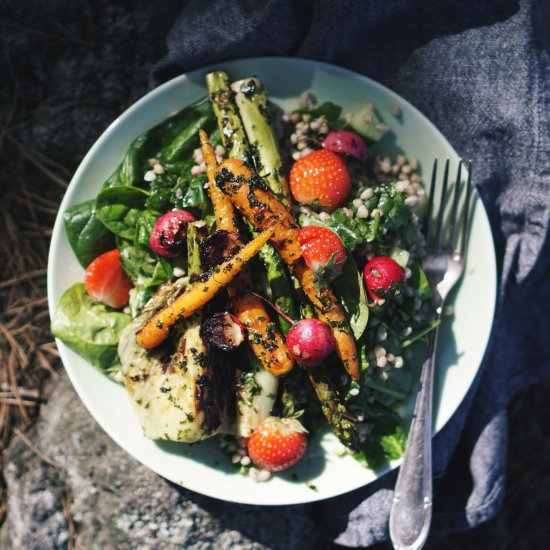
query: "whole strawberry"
277, 443
323, 251
320, 178
383, 277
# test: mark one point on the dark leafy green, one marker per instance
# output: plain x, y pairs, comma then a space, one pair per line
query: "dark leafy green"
89, 328
386, 438
391, 222
119, 209
87, 236
329, 110
180, 128
160, 193
144, 227
195, 196
142, 265
420, 282
393, 444
185, 141
350, 289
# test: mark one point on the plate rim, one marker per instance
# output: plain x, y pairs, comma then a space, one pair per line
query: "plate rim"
58, 230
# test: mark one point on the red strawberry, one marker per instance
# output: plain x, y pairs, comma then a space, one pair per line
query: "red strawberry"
320, 178
277, 443
382, 276
323, 251
106, 282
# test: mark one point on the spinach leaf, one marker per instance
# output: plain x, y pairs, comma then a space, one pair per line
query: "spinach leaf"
350, 289
346, 228
89, 328
154, 142
185, 141
385, 437
160, 191
131, 169
144, 227
341, 224
119, 209
329, 110
352, 231
189, 192
87, 236
142, 265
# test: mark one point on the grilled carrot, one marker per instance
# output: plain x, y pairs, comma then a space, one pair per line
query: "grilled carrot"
265, 340
257, 202
224, 213
156, 330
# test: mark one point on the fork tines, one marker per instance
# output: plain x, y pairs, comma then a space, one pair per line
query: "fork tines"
435, 235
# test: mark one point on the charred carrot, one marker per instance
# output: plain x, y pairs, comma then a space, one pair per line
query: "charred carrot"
224, 213
156, 330
266, 342
256, 201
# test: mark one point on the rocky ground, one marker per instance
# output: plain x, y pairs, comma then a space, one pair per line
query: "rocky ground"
115, 502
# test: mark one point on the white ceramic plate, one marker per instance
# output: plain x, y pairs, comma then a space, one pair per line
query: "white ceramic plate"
463, 338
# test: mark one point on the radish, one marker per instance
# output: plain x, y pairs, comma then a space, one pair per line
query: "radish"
309, 341
346, 142
168, 236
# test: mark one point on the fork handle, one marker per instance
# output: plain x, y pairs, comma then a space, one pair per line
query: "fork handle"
411, 510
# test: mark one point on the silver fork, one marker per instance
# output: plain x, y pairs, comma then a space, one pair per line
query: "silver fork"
411, 510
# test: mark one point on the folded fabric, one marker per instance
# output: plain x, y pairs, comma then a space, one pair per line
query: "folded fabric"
480, 71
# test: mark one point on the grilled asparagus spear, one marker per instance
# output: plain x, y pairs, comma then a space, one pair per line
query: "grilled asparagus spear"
251, 101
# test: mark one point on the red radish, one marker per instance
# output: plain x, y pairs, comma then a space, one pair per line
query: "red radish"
309, 341
346, 142
323, 251
320, 178
277, 443
382, 276
105, 280
168, 236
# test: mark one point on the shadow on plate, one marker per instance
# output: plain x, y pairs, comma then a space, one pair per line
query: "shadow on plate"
208, 453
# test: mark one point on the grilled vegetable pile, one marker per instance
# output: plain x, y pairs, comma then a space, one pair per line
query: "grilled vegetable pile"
254, 275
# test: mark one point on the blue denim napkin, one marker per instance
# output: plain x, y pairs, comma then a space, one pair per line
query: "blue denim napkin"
479, 69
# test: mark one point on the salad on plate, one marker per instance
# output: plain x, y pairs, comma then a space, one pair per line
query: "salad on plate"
254, 275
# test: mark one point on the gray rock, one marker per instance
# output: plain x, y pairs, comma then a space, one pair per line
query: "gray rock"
117, 502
